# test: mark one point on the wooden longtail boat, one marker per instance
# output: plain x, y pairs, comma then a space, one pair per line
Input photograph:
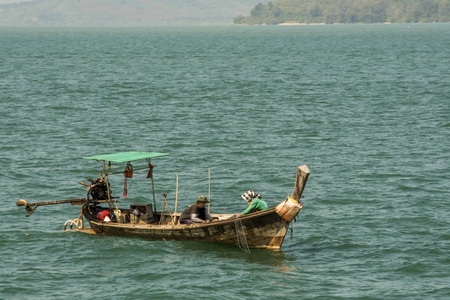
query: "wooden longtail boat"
264, 229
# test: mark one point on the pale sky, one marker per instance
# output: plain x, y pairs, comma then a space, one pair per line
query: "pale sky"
12, 1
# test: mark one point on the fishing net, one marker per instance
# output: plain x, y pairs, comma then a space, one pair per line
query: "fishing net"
241, 239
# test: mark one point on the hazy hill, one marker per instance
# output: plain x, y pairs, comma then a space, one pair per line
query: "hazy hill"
123, 12
348, 11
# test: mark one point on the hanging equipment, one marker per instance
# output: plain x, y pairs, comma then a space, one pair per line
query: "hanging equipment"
127, 174
150, 171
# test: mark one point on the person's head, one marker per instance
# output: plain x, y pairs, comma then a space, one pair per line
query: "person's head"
202, 200
249, 196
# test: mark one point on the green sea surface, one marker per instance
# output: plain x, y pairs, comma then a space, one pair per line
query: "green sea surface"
366, 107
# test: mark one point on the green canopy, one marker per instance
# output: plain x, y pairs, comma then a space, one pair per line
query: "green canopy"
126, 156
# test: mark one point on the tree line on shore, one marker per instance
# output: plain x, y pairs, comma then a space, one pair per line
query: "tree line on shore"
348, 11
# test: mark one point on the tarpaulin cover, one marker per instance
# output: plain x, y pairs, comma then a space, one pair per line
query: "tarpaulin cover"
126, 156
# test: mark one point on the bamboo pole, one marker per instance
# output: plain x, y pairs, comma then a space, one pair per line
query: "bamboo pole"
168, 207
209, 189
176, 200
162, 212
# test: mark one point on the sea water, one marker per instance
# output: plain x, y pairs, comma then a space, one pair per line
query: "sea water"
366, 107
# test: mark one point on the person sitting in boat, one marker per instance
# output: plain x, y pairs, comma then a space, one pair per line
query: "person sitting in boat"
196, 213
254, 202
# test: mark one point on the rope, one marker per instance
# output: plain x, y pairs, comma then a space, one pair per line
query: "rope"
77, 222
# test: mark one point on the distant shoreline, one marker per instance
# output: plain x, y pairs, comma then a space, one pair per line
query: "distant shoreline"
299, 24
316, 24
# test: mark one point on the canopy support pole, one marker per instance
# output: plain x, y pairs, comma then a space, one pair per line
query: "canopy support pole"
153, 190
107, 184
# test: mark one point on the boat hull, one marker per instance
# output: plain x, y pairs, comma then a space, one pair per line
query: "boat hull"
263, 230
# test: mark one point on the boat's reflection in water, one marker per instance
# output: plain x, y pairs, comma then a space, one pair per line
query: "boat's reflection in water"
275, 260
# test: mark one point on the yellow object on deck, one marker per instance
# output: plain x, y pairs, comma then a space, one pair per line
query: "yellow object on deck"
293, 200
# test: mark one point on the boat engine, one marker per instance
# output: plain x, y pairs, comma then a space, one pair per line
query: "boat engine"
97, 189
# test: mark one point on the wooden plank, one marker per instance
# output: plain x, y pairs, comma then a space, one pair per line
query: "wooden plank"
300, 182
